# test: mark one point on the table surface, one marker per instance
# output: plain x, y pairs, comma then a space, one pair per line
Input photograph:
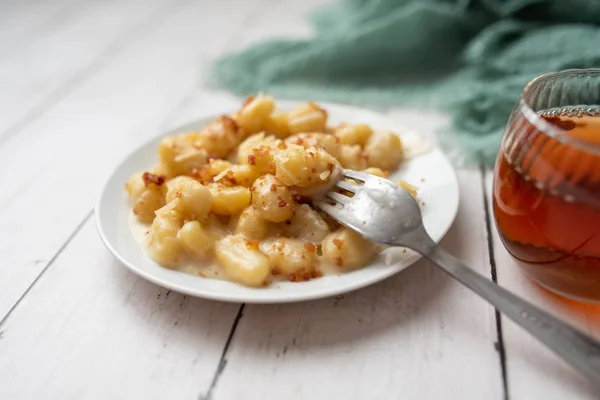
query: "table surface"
83, 83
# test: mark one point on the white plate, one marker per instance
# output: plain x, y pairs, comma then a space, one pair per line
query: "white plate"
431, 172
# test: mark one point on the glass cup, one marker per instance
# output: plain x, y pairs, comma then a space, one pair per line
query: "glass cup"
547, 183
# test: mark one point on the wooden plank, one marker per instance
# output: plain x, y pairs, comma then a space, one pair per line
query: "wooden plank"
53, 170
533, 370
418, 334
35, 76
24, 21
90, 329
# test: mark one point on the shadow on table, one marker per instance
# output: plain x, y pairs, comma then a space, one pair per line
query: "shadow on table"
420, 300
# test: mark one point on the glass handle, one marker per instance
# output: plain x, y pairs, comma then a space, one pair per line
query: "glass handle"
580, 350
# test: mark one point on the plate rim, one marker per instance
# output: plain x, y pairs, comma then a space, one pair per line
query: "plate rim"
289, 297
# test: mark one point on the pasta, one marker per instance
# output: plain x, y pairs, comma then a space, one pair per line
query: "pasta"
272, 199
233, 200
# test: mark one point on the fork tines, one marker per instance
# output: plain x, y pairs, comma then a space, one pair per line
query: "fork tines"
357, 176
347, 186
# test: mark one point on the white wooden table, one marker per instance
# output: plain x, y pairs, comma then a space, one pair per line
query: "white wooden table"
82, 83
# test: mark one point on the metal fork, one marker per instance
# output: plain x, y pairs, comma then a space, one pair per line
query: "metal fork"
385, 213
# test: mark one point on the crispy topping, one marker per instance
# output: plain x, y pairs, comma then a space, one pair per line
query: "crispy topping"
281, 203
229, 122
273, 187
310, 247
339, 262
252, 159
229, 178
338, 243
316, 107
565, 125
275, 271
151, 179
252, 244
248, 100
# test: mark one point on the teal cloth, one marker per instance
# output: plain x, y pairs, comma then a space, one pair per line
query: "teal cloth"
468, 57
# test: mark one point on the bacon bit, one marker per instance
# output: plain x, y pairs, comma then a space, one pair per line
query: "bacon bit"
273, 187
281, 146
151, 179
301, 200
316, 273
248, 100
300, 276
229, 122
271, 166
252, 189
252, 244
316, 107
202, 174
179, 195
229, 178
565, 125
339, 262
275, 271
310, 247
299, 141
386, 174
252, 159
338, 243
305, 275
281, 203
281, 235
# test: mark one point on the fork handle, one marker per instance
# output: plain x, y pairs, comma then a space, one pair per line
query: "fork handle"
581, 351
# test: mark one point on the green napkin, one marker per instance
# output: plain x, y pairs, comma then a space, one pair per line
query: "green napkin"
468, 57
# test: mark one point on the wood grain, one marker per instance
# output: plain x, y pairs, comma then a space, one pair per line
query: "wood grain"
90, 329
64, 156
85, 82
42, 72
418, 334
